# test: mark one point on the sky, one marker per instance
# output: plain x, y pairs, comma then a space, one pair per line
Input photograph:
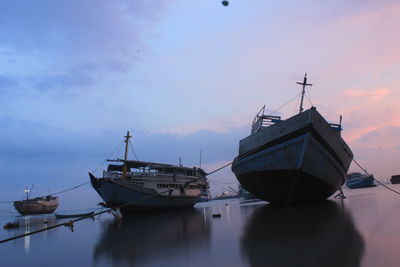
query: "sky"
184, 77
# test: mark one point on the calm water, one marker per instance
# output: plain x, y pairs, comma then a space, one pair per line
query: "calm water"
362, 230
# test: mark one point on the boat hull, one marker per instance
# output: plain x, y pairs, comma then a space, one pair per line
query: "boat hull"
294, 165
138, 199
395, 179
367, 181
62, 216
286, 186
28, 207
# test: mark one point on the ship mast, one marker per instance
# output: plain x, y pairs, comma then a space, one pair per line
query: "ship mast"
124, 167
304, 84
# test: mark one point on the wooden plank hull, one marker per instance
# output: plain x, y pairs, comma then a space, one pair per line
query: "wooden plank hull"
32, 207
138, 199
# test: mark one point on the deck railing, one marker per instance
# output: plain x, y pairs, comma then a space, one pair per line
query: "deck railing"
118, 175
261, 120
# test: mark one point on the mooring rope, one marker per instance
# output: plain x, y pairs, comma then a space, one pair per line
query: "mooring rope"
70, 223
77, 186
7, 201
379, 182
56, 193
69, 189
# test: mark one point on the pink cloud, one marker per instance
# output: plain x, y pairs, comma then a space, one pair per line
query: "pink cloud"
365, 93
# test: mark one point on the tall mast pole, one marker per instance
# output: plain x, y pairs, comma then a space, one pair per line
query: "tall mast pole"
304, 84
200, 158
124, 167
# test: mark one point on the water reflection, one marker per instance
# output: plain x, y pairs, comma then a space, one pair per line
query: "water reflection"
321, 234
149, 237
27, 239
29, 224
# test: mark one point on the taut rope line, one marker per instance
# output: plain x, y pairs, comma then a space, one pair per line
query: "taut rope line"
70, 223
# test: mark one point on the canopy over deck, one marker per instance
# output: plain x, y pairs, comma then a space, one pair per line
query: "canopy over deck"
135, 164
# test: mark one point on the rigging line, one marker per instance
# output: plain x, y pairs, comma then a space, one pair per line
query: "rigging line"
255, 149
8, 201
296, 107
236, 159
70, 223
133, 151
214, 171
101, 164
286, 103
308, 96
69, 189
223, 187
379, 182
365, 171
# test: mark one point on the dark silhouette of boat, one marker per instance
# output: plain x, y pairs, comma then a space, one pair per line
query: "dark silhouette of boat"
302, 158
395, 179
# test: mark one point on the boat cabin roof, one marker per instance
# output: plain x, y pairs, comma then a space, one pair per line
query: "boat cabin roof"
135, 164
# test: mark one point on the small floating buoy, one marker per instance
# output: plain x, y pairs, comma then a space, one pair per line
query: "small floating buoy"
226, 204
225, 3
217, 215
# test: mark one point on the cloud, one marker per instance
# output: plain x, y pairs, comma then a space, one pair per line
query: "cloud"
70, 79
34, 152
88, 30
377, 150
7, 84
117, 65
378, 93
385, 137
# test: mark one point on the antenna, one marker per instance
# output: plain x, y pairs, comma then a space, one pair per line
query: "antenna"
200, 158
304, 84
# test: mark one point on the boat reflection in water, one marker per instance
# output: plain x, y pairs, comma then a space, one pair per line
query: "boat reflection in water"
153, 236
320, 234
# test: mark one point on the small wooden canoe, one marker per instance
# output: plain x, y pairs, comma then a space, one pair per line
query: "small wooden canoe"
60, 216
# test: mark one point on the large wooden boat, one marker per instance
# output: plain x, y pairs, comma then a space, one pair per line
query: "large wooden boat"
302, 158
141, 185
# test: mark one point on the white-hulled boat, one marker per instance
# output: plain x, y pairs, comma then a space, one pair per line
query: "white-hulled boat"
302, 158
140, 185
